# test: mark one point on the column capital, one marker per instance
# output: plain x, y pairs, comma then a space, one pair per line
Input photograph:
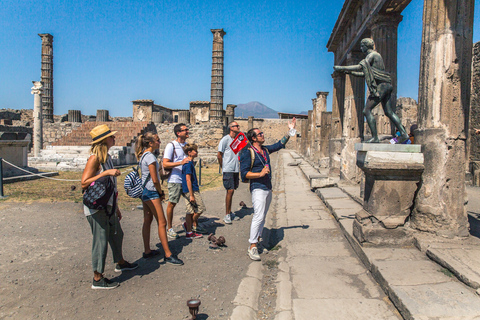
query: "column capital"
37, 87
218, 34
322, 93
385, 20
47, 38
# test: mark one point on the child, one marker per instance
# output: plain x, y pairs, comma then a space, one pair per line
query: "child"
191, 193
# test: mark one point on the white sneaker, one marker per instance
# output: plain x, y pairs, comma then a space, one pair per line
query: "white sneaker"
227, 219
233, 217
253, 254
172, 234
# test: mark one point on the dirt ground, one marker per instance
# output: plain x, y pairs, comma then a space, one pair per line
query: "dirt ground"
45, 264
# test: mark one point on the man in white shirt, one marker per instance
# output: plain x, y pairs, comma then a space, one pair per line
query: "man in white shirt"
228, 160
174, 158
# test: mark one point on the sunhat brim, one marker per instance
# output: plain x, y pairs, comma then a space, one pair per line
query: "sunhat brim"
103, 136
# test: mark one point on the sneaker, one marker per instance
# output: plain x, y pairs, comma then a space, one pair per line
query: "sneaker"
253, 254
104, 283
151, 254
173, 260
227, 219
193, 235
199, 229
126, 266
234, 217
172, 234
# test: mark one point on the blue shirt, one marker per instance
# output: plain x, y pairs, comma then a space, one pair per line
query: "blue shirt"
189, 168
265, 182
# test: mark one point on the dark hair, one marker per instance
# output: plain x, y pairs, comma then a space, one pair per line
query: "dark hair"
178, 128
413, 127
251, 134
190, 147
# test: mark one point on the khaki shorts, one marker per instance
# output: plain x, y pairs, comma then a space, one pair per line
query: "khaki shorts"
198, 199
174, 192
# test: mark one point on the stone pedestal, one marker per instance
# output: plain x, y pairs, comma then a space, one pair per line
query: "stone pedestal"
74, 116
392, 174
102, 116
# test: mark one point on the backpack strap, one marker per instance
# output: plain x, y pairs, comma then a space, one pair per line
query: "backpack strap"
252, 158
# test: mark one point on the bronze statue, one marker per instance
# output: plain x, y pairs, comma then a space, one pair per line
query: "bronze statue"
379, 84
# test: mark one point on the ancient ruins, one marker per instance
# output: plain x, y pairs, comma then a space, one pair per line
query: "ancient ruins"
423, 184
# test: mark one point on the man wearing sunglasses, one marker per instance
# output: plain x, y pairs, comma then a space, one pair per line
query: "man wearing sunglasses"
260, 176
228, 160
174, 158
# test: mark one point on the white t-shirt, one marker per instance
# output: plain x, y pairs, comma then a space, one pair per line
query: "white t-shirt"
147, 160
229, 159
176, 176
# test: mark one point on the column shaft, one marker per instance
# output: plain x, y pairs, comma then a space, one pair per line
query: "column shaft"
444, 102
47, 76
216, 92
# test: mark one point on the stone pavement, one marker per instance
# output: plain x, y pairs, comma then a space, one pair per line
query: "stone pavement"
320, 277
436, 279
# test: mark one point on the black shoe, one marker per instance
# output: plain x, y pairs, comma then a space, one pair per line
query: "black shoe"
173, 260
126, 266
152, 254
104, 283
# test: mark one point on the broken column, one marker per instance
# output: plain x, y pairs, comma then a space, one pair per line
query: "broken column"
352, 121
319, 106
37, 91
230, 112
335, 143
102, 116
250, 122
444, 103
74, 116
47, 76
216, 92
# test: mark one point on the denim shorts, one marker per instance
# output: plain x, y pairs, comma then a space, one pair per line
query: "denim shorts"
148, 195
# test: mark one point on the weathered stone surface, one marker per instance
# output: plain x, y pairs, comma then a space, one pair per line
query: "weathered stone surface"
376, 234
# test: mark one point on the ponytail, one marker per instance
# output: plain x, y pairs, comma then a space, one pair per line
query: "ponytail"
143, 143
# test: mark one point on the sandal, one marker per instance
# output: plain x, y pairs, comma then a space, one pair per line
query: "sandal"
151, 254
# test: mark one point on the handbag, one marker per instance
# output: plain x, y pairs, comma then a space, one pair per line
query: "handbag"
98, 193
166, 173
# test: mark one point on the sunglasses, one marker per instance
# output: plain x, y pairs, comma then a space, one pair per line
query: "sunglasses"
235, 126
184, 130
259, 134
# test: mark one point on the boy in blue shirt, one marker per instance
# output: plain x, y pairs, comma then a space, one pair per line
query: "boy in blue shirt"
191, 193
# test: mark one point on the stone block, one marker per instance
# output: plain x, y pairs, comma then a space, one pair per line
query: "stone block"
367, 230
318, 181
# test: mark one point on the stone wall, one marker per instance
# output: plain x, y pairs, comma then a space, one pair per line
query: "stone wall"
54, 131
407, 109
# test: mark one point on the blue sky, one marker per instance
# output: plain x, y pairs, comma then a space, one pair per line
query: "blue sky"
108, 53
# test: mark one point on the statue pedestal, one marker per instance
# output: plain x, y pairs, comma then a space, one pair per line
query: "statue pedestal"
392, 173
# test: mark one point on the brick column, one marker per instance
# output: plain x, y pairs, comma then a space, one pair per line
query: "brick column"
47, 76
444, 103
216, 92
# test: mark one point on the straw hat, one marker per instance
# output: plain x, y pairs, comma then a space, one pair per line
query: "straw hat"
101, 132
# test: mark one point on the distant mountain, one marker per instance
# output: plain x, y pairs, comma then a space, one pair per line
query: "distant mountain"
256, 109
304, 112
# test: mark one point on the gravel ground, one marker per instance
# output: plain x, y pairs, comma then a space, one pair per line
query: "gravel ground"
45, 265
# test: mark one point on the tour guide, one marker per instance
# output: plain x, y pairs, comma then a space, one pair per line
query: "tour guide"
260, 178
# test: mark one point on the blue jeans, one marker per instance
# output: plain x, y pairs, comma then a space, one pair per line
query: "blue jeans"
148, 195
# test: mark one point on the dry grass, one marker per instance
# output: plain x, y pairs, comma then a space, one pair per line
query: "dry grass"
51, 190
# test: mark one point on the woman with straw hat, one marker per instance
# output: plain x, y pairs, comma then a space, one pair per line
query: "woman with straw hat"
105, 224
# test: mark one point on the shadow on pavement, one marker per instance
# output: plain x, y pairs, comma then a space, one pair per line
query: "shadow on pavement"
277, 234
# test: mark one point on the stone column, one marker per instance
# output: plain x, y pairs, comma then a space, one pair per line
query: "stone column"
352, 122
102, 116
37, 91
74, 116
384, 30
156, 117
319, 107
47, 76
473, 141
250, 122
335, 142
444, 103
230, 112
216, 92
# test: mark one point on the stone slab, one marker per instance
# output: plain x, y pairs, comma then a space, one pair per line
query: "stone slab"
321, 182
450, 300
325, 249
463, 263
351, 309
394, 254
411, 272
242, 313
247, 293
411, 148
331, 193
